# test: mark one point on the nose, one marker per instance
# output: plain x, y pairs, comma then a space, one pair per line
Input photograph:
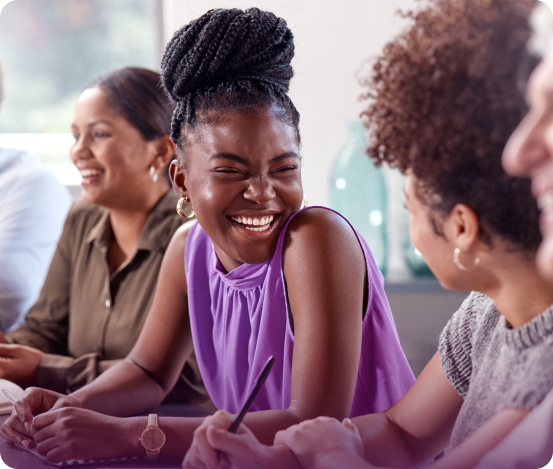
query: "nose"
529, 147
79, 150
260, 191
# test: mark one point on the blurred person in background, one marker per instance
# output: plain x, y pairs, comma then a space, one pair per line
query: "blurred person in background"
104, 272
33, 207
529, 153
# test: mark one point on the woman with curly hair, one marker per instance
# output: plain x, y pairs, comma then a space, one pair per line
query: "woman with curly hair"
252, 276
443, 101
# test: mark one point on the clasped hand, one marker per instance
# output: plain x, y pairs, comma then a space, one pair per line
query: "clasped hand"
59, 427
308, 445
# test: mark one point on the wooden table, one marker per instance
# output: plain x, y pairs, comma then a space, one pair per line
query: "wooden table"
18, 458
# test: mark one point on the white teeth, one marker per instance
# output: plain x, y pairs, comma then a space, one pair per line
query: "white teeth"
545, 202
262, 223
87, 173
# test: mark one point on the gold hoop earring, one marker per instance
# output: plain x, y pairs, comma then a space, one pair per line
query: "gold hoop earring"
461, 266
153, 174
304, 202
180, 208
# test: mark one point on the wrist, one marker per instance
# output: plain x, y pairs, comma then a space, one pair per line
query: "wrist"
281, 456
130, 430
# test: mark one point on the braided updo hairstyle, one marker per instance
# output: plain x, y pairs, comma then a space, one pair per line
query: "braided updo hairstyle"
228, 60
443, 100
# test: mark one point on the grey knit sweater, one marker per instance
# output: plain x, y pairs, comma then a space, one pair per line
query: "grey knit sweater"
493, 366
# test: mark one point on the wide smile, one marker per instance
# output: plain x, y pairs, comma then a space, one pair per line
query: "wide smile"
258, 224
89, 175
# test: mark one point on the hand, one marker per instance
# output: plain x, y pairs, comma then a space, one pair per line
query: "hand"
73, 433
19, 363
242, 450
35, 401
313, 441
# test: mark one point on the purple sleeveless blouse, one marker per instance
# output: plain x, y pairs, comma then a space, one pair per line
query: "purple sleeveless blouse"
240, 318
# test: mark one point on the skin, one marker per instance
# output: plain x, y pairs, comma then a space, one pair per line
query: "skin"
105, 141
529, 153
244, 164
418, 427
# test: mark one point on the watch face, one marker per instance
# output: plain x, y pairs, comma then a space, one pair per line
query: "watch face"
153, 439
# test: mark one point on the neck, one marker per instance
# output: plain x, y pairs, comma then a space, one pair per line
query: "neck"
127, 225
518, 291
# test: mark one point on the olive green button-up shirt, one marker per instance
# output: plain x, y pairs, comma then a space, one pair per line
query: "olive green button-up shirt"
85, 319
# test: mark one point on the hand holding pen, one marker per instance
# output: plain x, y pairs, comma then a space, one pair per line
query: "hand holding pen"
201, 453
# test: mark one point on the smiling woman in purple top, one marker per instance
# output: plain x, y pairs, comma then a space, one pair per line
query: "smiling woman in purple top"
261, 277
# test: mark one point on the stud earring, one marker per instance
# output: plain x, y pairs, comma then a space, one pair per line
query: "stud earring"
304, 202
461, 266
153, 174
180, 208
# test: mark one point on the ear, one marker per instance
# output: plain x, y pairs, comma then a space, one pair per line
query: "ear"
462, 227
178, 178
165, 151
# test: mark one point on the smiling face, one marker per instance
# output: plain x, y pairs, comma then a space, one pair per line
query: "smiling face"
529, 152
242, 175
112, 156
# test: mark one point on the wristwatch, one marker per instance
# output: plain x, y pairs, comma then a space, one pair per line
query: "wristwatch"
152, 437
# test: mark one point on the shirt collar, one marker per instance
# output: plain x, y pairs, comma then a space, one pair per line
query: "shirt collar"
153, 233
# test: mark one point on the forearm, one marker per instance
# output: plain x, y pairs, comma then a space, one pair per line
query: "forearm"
123, 390
267, 423
384, 445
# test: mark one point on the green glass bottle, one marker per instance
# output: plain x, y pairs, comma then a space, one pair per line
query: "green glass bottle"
358, 192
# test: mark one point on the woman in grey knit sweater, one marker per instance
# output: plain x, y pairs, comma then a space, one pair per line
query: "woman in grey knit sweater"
443, 102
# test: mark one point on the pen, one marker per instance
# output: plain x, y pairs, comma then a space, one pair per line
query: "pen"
9, 395
260, 380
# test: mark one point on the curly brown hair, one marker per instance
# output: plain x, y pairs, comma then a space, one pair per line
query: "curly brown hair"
443, 100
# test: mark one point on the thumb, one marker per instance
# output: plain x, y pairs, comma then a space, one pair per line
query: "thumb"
223, 440
350, 426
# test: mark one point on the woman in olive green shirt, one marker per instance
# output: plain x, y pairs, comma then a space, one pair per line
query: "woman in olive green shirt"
103, 275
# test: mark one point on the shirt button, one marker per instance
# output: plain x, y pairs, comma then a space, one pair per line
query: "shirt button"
107, 303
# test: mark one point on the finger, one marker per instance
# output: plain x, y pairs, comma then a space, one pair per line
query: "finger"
43, 420
25, 413
283, 435
13, 432
55, 455
350, 426
230, 443
201, 449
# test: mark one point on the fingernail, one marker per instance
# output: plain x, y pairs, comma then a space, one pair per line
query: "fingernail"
26, 443
348, 420
27, 426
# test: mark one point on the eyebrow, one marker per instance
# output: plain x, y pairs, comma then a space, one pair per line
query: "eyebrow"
238, 159
92, 124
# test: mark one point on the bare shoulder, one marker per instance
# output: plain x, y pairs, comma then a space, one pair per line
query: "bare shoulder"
172, 269
321, 233
178, 242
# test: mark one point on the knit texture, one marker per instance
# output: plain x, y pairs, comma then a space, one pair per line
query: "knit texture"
493, 366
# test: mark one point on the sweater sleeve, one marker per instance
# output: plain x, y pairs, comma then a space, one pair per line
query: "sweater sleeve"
455, 345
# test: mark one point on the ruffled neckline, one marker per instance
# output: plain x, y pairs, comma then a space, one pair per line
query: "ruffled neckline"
244, 277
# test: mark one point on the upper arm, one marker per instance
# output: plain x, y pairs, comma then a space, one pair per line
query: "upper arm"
166, 340
325, 273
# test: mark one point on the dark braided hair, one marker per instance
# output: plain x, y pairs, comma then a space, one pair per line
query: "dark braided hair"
229, 60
